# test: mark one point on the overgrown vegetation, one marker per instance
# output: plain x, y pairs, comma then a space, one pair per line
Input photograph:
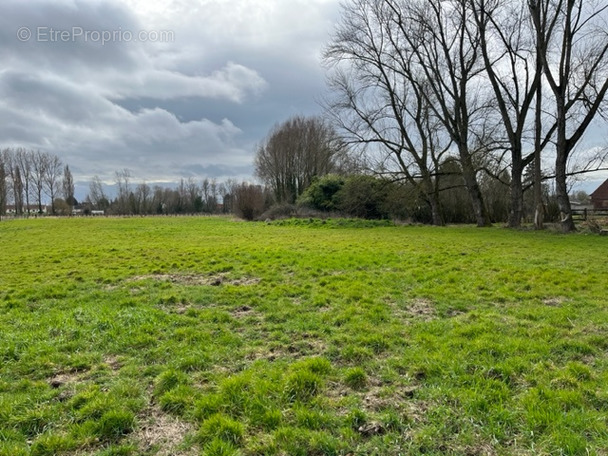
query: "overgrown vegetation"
189, 336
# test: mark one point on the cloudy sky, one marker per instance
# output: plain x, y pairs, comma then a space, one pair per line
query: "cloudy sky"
165, 88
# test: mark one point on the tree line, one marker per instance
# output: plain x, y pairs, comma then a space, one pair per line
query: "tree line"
28, 178
188, 197
443, 92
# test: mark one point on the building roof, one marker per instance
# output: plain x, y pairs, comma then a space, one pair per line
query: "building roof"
601, 192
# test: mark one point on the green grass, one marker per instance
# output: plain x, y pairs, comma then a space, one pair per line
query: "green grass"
299, 338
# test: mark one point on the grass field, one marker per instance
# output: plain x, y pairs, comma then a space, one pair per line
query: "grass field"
189, 336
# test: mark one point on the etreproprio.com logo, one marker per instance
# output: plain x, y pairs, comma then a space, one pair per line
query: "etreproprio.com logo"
52, 35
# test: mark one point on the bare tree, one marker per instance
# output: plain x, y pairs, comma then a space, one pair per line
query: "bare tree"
249, 201
123, 179
293, 154
446, 48
3, 186
415, 86
23, 159
573, 50
52, 177
508, 48
97, 196
381, 98
143, 194
39, 168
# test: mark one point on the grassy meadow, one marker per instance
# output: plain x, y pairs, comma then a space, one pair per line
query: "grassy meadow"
205, 336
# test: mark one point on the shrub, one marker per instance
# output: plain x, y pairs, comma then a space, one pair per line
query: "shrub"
280, 211
320, 195
364, 197
250, 201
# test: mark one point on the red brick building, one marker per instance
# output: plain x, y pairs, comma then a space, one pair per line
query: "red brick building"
599, 198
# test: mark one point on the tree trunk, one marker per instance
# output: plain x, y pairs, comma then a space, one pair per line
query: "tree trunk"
561, 188
435, 210
470, 178
561, 163
517, 193
539, 212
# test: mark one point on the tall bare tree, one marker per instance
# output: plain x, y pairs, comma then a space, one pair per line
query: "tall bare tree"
573, 50
23, 159
381, 99
52, 178
423, 58
508, 47
123, 184
294, 153
39, 168
446, 47
3, 187
13, 173
97, 195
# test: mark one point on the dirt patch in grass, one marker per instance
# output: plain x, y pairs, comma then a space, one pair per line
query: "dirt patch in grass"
197, 279
422, 309
418, 309
242, 312
65, 379
161, 434
554, 302
113, 363
296, 350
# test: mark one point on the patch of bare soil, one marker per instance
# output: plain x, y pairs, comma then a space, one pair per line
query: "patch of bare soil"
242, 312
423, 309
418, 309
65, 379
296, 350
113, 363
554, 302
161, 433
197, 279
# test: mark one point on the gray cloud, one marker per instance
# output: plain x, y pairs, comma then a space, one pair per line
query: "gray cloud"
190, 107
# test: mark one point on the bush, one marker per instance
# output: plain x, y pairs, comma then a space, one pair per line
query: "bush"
250, 201
280, 211
320, 195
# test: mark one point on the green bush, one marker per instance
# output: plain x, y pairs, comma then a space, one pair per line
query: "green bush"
320, 195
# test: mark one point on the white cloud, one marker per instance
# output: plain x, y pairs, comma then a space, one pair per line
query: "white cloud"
117, 105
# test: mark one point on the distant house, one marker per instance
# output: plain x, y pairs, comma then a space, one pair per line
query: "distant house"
599, 198
32, 209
